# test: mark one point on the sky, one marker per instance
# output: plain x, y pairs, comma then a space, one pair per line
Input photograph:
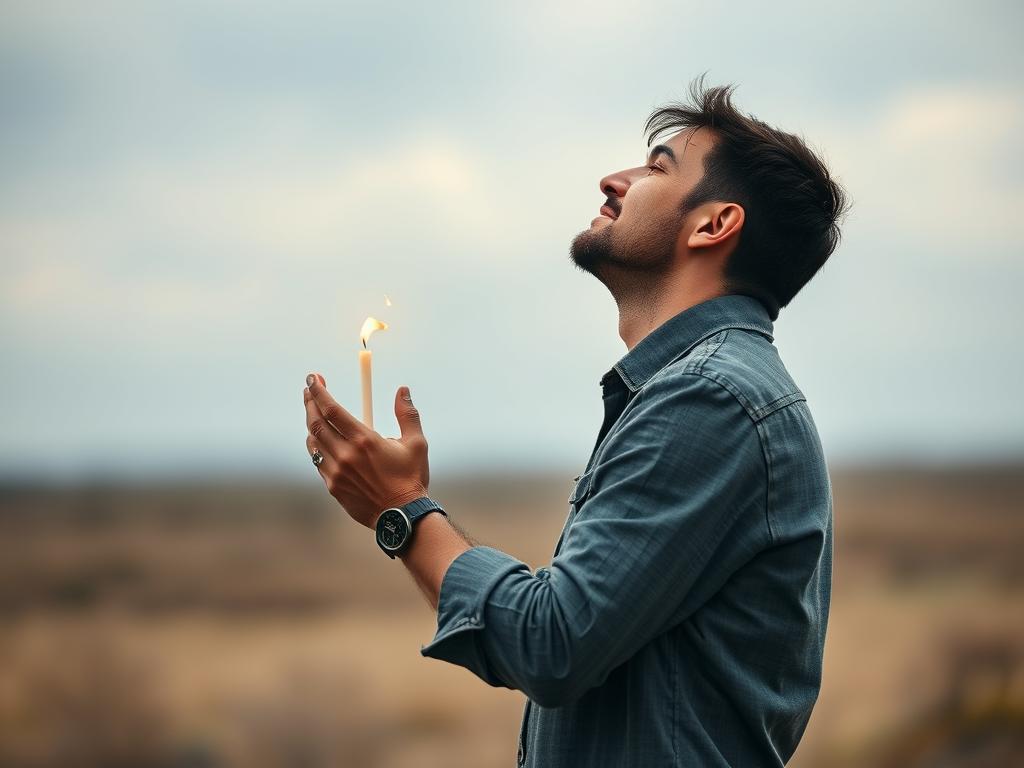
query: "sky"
202, 202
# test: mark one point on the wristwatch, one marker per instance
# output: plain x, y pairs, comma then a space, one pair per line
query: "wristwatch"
395, 524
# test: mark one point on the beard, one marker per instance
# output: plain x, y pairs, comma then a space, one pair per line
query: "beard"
606, 249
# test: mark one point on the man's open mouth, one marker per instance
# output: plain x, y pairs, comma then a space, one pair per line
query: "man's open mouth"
607, 211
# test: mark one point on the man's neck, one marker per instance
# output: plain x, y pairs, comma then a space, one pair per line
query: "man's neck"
640, 312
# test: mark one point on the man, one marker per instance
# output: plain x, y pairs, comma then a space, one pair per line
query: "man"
682, 619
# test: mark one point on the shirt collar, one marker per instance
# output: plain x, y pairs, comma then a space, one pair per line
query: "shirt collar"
682, 332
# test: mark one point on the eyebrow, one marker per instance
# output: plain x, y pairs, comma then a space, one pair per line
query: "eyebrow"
662, 149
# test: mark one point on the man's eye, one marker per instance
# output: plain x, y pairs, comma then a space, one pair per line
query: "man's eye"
653, 168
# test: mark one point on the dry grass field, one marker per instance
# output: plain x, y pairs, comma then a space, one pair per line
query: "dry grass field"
256, 625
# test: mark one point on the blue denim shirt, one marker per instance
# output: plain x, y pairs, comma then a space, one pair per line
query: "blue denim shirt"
682, 619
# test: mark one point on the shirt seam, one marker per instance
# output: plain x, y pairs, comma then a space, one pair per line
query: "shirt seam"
695, 367
724, 383
766, 410
634, 385
769, 468
757, 416
761, 441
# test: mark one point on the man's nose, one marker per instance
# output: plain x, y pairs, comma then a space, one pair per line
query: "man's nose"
616, 184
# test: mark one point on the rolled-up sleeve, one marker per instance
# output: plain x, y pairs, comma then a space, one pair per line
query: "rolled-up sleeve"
677, 504
465, 590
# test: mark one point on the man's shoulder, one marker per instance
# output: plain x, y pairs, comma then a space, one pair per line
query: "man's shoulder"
743, 362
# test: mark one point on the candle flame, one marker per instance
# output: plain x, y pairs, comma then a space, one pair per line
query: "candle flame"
387, 301
369, 326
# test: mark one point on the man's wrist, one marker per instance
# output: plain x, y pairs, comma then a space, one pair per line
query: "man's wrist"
431, 529
397, 502
434, 547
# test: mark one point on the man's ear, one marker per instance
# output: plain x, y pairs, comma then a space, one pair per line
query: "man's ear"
717, 225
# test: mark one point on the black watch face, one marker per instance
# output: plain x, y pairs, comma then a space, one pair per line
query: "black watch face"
392, 528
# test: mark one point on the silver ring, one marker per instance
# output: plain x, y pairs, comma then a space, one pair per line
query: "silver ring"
318, 458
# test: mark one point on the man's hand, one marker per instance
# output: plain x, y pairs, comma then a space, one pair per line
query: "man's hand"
365, 472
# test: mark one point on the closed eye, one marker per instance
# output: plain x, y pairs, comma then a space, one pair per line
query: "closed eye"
654, 168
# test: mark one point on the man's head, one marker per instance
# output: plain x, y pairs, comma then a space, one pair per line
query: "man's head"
746, 204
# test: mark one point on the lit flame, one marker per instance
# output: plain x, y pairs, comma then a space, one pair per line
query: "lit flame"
387, 301
372, 324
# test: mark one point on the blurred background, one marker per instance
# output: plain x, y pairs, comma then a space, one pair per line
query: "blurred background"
202, 202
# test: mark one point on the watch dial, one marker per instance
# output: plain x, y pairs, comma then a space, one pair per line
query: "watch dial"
392, 529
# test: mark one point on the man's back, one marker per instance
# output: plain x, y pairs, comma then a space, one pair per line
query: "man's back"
682, 618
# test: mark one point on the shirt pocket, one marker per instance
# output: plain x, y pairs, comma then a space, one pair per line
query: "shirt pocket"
579, 494
581, 490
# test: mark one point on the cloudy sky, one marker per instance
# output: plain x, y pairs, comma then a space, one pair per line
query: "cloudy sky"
199, 203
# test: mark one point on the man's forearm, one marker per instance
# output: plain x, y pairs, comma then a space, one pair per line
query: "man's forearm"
435, 545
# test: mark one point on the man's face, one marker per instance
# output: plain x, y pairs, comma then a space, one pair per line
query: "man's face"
640, 222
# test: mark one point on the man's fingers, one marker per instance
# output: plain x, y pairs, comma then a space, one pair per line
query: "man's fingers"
407, 415
343, 421
327, 468
320, 429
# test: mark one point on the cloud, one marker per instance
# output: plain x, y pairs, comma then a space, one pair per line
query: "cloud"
65, 299
178, 245
188, 188
930, 166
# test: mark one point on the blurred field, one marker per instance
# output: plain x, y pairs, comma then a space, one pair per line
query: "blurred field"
230, 625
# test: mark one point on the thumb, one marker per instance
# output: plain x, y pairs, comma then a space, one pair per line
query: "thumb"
407, 415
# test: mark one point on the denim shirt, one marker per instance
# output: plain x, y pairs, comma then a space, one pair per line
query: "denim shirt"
681, 621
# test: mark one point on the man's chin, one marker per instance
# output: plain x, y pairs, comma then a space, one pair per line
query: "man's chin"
589, 248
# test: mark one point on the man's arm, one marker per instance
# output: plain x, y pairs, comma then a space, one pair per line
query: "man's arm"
677, 505
435, 544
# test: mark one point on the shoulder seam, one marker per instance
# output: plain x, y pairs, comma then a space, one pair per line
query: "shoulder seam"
696, 367
721, 382
756, 414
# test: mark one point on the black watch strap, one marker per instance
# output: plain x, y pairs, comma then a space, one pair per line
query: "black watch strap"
419, 507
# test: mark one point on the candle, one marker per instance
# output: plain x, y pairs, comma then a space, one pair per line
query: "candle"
366, 372
366, 367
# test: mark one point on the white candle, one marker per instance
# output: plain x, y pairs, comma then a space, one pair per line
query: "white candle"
366, 371
366, 367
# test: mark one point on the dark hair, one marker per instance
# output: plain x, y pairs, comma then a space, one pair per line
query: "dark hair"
791, 204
